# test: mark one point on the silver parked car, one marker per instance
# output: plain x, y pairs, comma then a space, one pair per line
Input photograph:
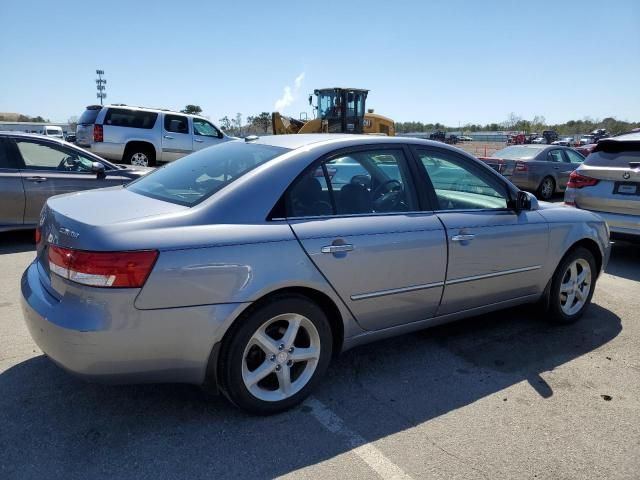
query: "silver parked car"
34, 168
543, 169
608, 183
144, 136
250, 264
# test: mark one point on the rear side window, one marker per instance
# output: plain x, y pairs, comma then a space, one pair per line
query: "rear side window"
4, 155
176, 124
555, 156
199, 175
88, 116
120, 117
574, 157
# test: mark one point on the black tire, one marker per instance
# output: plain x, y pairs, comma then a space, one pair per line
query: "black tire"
544, 192
231, 360
137, 150
555, 311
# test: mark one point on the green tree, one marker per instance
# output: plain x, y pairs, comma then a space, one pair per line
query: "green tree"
225, 123
192, 109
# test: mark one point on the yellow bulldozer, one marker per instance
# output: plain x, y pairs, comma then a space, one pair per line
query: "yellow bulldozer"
340, 110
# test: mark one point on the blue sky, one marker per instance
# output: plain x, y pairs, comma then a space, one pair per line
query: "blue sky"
430, 61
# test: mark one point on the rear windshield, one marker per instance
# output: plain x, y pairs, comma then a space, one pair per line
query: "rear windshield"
517, 153
613, 159
195, 177
88, 117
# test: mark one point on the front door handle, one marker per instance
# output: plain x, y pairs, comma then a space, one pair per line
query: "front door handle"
345, 247
198, 140
462, 238
37, 179
168, 137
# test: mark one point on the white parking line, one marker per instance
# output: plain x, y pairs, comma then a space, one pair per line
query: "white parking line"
366, 451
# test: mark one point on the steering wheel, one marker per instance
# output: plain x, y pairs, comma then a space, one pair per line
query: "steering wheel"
388, 196
68, 163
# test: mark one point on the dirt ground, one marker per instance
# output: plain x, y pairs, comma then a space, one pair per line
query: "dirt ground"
481, 149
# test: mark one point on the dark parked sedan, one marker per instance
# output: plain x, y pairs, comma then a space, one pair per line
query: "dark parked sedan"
34, 168
543, 169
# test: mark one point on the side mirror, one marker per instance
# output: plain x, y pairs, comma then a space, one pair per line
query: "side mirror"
525, 201
97, 168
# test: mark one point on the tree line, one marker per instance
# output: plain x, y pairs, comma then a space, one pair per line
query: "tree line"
516, 123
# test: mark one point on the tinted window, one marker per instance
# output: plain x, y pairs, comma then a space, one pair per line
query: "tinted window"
119, 117
176, 124
199, 175
362, 182
4, 155
52, 157
88, 116
459, 186
203, 128
574, 157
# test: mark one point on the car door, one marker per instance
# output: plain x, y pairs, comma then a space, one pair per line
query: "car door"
205, 134
356, 215
572, 160
495, 253
48, 169
560, 167
177, 140
11, 188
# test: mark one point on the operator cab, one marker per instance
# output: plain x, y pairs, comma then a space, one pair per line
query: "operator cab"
342, 109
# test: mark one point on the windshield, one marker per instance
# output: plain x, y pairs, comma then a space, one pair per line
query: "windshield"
196, 177
328, 104
517, 153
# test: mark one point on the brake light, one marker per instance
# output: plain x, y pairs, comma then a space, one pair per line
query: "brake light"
103, 269
577, 180
521, 167
98, 133
38, 235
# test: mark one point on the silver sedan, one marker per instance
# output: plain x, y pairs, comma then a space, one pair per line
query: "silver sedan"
247, 266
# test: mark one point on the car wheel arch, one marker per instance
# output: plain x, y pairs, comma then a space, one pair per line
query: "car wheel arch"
326, 303
133, 144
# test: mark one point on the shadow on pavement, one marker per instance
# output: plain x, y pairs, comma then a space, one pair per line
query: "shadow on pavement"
17, 242
625, 261
54, 426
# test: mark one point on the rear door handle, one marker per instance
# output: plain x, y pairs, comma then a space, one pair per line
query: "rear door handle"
198, 140
169, 137
462, 238
37, 179
346, 247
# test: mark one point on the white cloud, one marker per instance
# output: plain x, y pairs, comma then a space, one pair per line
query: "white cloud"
289, 94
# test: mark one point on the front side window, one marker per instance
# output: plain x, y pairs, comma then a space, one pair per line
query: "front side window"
201, 174
459, 186
176, 123
361, 182
42, 156
574, 157
203, 128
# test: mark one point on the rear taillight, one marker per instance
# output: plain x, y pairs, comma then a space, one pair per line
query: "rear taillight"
103, 269
38, 235
578, 181
98, 133
521, 167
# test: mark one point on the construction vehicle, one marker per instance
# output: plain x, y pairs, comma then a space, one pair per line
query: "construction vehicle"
339, 110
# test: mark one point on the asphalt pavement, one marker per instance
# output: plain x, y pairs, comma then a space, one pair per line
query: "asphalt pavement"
505, 395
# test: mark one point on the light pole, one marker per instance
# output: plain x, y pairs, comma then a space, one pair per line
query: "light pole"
100, 85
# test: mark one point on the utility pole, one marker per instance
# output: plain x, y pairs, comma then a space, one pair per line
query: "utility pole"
100, 85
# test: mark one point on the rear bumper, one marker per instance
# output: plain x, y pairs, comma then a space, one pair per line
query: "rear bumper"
621, 225
98, 334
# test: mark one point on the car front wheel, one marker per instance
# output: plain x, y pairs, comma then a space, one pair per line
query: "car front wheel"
547, 188
572, 286
276, 355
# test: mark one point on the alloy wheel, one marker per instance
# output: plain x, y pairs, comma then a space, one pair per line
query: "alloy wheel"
547, 188
575, 286
140, 159
281, 357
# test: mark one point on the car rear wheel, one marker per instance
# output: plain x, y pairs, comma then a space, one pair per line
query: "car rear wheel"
140, 156
276, 355
572, 286
547, 188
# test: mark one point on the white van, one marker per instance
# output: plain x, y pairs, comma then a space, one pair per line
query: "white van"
52, 131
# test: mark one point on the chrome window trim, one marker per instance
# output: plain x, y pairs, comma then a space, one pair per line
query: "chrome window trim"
351, 215
382, 293
492, 275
